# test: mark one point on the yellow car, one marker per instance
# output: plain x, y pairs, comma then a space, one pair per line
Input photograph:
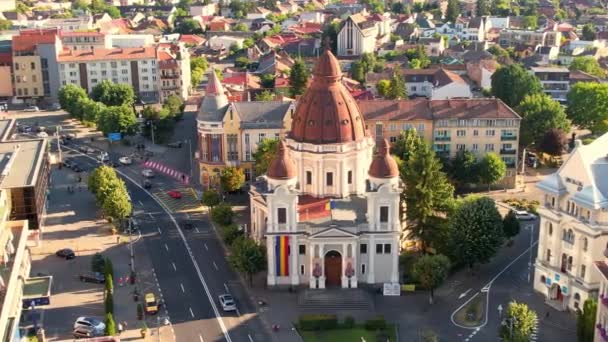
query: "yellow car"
151, 304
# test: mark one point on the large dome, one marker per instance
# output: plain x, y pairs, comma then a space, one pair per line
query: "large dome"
327, 113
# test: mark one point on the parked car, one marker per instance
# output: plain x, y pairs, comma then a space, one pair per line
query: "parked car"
32, 109
113, 163
188, 225
86, 149
89, 322
86, 332
68, 136
92, 277
174, 194
42, 135
227, 302
148, 154
76, 168
147, 173
176, 144
125, 160
151, 303
55, 106
40, 129
66, 253
147, 184
24, 129
68, 163
523, 215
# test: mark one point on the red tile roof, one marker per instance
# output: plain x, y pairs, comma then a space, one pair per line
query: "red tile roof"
107, 54
191, 39
306, 28
28, 39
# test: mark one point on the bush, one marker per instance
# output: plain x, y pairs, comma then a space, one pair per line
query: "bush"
140, 312
588, 141
349, 322
377, 323
523, 204
222, 214
110, 325
109, 283
231, 233
318, 322
211, 198
109, 303
98, 263
108, 268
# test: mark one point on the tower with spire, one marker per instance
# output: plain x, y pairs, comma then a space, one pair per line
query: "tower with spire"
328, 207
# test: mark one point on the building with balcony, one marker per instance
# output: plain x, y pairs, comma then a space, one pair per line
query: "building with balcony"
174, 71
573, 228
555, 81
327, 210
511, 37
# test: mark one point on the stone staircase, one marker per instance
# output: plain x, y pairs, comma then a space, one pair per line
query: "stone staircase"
328, 300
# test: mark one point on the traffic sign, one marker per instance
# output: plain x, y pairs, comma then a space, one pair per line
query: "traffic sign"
114, 136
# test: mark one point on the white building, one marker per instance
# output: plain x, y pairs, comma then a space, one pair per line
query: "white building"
327, 211
555, 81
360, 34
435, 84
573, 227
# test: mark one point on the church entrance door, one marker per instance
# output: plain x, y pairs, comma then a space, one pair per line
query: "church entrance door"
333, 269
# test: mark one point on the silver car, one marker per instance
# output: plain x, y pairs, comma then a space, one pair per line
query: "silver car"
89, 322
227, 302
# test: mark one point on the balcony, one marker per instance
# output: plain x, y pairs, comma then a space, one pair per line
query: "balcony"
508, 151
604, 300
443, 138
508, 137
510, 164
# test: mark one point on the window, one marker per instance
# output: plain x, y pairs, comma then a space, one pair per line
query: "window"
461, 133
585, 244
93, 72
35, 91
392, 139
460, 147
282, 215
302, 269
362, 268
25, 91
124, 71
543, 279
308, 177
475, 133
475, 147
387, 248
583, 270
349, 177
384, 214
489, 147
421, 127
19, 92
378, 248
548, 256
302, 249
363, 248
550, 229
490, 132
33, 65
34, 78
16, 66
329, 179
113, 64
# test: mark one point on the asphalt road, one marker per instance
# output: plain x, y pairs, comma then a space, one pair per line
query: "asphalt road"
191, 268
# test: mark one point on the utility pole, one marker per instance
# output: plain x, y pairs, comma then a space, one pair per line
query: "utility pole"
152, 127
530, 252
158, 328
57, 128
131, 243
190, 156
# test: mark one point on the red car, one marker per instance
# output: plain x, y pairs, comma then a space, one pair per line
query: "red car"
174, 194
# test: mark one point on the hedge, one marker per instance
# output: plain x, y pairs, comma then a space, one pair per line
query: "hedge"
318, 322
98, 263
349, 322
376, 323
109, 303
110, 325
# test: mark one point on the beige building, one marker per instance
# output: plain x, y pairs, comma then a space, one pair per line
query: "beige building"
511, 37
173, 71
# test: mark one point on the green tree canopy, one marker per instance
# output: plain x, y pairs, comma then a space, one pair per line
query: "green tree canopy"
112, 11
113, 94
531, 22
585, 321
475, 231
68, 98
491, 169
222, 214
175, 105
117, 205
406, 145
267, 81
247, 257
540, 113
483, 8
298, 78
383, 87
117, 119
196, 77
589, 32
520, 324
512, 83
199, 62
554, 142
510, 225
263, 156
241, 27
5, 24
266, 95
589, 65
189, 26
91, 110
99, 177
232, 178
463, 168
211, 198
588, 105
397, 89
430, 271
453, 11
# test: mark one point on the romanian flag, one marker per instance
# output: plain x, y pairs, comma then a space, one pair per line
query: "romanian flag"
330, 205
282, 255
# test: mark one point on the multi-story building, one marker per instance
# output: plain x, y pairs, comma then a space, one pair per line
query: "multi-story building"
83, 40
174, 71
601, 319
511, 37
360, 34
573, 228
555, 81
435, 84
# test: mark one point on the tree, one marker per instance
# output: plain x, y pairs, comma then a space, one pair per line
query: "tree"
585, 321
196, 77
512, 83
463, 168
430, 271
99, 179
540, 113
357, 71
113, 94
232, 178
383, 87
589, 32
189, 26
491, 169
475, 231
453, 11
112, 11
330, 34
510, 225
117, 205
520, 323
242, 27
406, 145
397, 89
117, 119
298, 78
589, 65
175, 105
222, 214
588, 105
91, 110
531, 22
267, 81
68, 97
199, 63
247, 257
418, 53
5, 24
263, 156
243, 62
110, 325
483, 8
554, 142
266, 95
211, 198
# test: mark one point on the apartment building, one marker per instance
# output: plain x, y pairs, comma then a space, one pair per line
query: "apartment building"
435, 84
511, 37
573, 227
555, 81
601, 319
174, 71
83, 40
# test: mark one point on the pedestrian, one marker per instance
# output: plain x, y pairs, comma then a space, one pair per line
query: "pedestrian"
120, 281
117, 240
124, 324
119, 328
79, 179
127, 280
547, 315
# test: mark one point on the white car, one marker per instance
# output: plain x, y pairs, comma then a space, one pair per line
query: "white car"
524, 215
103, 157
32, 109
125, 160
147, 173
42, 135
89, 322
227, 302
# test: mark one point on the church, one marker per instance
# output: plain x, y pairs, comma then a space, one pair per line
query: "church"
328, 208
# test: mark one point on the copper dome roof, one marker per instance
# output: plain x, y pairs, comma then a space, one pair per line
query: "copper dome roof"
327, 112
282, 166
383, 165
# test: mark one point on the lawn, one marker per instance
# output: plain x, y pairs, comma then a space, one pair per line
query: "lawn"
345, 335
472, 314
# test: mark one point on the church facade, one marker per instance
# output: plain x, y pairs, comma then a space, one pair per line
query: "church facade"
328, 207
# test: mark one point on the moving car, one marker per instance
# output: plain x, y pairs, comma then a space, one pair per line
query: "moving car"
151, 303
32, 109
147, 184
147, 173
103, 157
188, 224
176, 144
125, 160
42, 135
174, 194
85, 332
92, 277
89, 322
227, 302
25, 129
524, 215
68, 163
65, 253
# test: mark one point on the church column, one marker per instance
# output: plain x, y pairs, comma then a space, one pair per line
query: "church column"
322, 262
271, 279
311, 265
295, 272
320, 183
353, 280
372, 251
343, 271
395, 256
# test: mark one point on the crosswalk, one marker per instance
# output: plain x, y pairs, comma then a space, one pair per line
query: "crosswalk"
188, 203
534, 334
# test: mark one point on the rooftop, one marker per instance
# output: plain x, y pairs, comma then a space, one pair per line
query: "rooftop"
107, 54
20, 162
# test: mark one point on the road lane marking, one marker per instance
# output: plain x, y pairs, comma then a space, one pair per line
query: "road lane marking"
174, 268
200, 337
196, 230
159, 232
207, 248
250, 339
182, 286
191, 313
151, 216
166, 247
226, 287
140, 203
214, 265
